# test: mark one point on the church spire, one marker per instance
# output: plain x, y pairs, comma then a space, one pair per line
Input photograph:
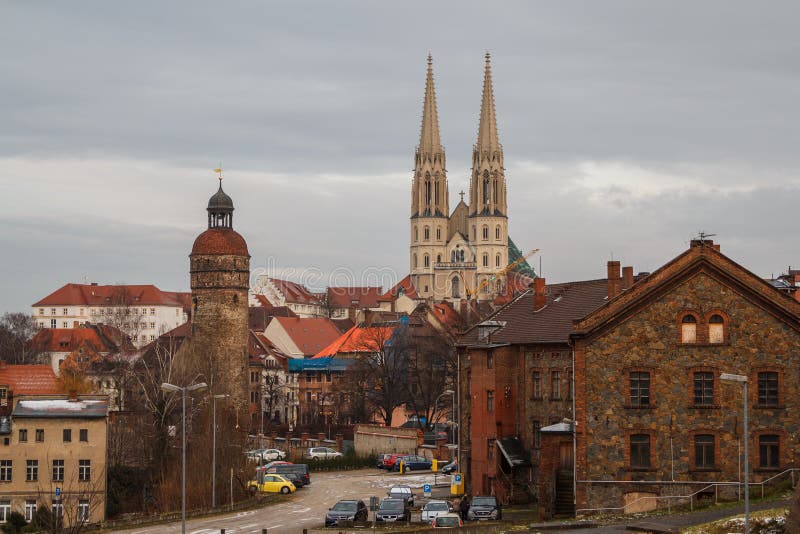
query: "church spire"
488, 139
429, 141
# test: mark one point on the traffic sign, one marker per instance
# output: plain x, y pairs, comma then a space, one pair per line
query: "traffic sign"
58, 492
426, 490
458, 478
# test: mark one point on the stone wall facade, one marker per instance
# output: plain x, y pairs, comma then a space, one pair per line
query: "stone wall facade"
689, 431
219, 286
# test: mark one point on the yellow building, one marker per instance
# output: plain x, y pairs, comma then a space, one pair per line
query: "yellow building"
53, 454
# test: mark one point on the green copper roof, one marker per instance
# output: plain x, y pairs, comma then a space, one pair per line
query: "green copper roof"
513, 255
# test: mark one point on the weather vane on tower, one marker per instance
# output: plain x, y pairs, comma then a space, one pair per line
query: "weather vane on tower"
218, 170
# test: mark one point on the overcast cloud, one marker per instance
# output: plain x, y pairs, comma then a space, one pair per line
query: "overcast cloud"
627, 128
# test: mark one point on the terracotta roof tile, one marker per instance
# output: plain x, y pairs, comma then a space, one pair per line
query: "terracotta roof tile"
295, 293
310, 335
358, 339
114, 295
220, 241
360, 297
70, 339
29, 379
405, 286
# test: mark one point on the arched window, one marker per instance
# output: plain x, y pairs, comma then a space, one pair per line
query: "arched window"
456, 288
453, 256
485, 260
426, 233
474, 235
461, 255
716, 329
485, 232
486, 197
426, 261
497, 232
414, 262
438, 233
494, 189
689, 329
497, 261
436, 190
416, 234
427, 189
438, 258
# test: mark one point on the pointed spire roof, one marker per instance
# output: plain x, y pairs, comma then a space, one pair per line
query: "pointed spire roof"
487, 130
429, 141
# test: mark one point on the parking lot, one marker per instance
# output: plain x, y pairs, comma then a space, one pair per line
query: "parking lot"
306, 508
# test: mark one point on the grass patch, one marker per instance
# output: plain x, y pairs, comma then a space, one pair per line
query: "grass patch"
761, 522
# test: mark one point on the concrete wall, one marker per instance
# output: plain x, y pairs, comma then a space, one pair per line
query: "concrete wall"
373, 439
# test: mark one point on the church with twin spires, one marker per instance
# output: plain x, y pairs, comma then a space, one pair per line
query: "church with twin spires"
461, 254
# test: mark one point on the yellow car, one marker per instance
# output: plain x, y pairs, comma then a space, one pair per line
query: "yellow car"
270, 483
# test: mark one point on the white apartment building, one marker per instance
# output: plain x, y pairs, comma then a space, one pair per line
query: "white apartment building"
141, 311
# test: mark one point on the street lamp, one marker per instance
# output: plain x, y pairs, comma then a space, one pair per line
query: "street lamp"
171, 388
214, 448
727, 377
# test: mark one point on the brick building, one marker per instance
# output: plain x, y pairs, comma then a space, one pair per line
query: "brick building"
653, 417
643, 356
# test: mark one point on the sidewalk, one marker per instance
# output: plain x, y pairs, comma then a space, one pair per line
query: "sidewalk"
658, 524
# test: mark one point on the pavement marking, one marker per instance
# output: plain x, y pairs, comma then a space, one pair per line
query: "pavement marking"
300, 511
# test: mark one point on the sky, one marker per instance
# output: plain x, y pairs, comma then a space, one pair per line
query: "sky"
627, 127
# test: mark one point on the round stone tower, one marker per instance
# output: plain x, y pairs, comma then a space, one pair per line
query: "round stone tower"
220, 278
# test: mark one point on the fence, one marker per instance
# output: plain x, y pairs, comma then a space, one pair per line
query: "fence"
681, 499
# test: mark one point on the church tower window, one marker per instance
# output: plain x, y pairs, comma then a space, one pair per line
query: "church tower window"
456, 289
416, 234
426, 261
426, 233
497, 261
438, 233
438, 258
485, 233
485, 260
497, 232
414, 261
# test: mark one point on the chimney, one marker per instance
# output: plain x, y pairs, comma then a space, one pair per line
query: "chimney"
703, 243
613, 279
627, 277
2, 364
539, 294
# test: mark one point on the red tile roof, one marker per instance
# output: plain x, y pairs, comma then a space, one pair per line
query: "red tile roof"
114, 295
70, 339
360, 297
358, 339
310, 335
405, 285
220, 241
296, 293
29, 379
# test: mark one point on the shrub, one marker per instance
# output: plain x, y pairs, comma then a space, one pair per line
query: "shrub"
14, 523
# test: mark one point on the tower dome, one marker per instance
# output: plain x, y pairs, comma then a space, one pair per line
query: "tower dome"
220, 238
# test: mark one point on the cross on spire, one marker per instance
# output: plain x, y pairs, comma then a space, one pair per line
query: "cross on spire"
461, 194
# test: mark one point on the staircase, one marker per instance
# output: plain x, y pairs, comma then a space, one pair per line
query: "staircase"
564, 498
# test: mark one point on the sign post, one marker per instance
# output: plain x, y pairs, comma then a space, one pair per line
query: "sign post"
426, 490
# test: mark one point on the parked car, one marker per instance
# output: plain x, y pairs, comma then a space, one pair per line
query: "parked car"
254, 456
348, 510
381, 463
321, 453
391, 459
449, 468
484, 507
295, 478
447, 520
402, 492
299, 469
412, 463
270, 483
433, 509
277, 462
393, 510
270, 455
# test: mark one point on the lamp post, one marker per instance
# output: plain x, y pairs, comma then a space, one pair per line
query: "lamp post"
171, 388
214, 448
727, 377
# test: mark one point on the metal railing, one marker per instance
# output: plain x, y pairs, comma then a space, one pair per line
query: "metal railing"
690, 497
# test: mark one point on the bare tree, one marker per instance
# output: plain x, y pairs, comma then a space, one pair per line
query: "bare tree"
380, 369
72, 509
16, 331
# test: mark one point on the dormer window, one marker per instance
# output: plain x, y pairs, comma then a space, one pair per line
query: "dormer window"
716, 329
689, 329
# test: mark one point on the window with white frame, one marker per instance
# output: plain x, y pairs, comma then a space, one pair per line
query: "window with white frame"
83, 510
84, 470
5, 470
5, 509
30, 509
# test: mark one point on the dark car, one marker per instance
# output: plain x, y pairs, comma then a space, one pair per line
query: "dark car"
299, 469
393, 510
413, 463
484, 507
402, 492
349, 510
449, 468
296, 479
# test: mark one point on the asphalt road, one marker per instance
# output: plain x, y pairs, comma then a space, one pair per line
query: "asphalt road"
305, 508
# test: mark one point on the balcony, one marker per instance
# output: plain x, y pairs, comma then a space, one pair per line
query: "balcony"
456, 266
